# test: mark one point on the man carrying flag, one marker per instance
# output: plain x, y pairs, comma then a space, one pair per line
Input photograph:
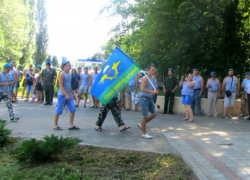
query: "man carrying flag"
115, 75
146, 100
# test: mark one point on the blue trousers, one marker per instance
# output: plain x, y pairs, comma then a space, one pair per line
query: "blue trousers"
196, 101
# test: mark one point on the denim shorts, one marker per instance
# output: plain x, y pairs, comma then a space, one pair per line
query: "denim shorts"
29, 89
17, 84
83, 89
130, 89
186, 99
230, 101
11, 89
147, 105
61, 101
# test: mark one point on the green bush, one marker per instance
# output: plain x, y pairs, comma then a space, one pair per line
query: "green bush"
3, 133
47, 149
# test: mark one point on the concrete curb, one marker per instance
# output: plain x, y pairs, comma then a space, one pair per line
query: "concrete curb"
200, 172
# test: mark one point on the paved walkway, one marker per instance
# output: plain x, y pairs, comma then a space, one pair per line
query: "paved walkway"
214, 148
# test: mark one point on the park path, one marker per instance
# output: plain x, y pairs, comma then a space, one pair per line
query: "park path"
213, 148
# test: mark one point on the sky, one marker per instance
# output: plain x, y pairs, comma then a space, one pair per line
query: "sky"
75, 28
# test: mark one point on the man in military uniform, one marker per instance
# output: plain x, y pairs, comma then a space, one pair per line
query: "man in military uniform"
48, 79
169, 87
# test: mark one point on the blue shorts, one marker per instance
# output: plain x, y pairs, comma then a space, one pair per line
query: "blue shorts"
11, 89
62, 101
186, 99
17, 84
147, 105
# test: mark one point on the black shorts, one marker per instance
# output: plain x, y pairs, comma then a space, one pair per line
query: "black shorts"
39, 86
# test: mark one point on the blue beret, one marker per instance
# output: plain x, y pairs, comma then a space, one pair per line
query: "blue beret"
20, 65
95, 67
151, 64
86, 67
213, 73
247, 73
47, 61
230, 69
64, 63
195, 69
7, 66
12, 61
171, 69
39, 66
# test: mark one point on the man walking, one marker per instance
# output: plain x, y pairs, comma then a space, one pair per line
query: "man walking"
48, 79
65, 97
146, 100
231, 88
198, 91
244, 96
169, 87
4, 90
213, 86
114, 106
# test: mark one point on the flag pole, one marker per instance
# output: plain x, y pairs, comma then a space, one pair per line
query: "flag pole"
149, 81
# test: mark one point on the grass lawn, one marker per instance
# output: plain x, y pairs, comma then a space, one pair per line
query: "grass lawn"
88, 162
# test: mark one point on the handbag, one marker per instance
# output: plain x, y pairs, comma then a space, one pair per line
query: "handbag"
228, 92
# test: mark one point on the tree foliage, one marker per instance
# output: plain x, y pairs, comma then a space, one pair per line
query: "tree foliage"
212, 35
42, 34
14, 28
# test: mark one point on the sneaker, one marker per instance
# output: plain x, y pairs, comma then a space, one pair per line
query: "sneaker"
139, 125
96, 106
92, 107
241, 115
146, 136
223, 117
14, 119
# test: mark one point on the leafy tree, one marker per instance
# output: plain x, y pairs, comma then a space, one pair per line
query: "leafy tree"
212, 35
42, 34
29, 47
13, 33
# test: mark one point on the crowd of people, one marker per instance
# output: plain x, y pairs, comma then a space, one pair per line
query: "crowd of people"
72, 84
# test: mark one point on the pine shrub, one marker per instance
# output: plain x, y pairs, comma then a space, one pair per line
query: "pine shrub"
4, 133
47, 149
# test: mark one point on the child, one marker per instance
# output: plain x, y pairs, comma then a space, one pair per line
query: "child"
64, 97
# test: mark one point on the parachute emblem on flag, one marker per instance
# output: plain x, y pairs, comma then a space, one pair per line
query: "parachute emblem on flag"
114, 67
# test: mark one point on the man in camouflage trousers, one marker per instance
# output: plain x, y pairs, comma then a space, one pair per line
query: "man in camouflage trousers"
4, 90
114, 106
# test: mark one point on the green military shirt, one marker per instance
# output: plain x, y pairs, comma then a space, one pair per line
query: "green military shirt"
48, 76
170, 83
